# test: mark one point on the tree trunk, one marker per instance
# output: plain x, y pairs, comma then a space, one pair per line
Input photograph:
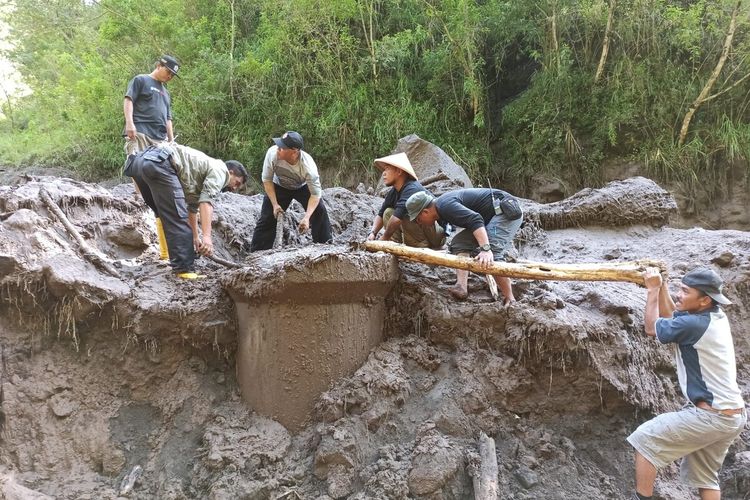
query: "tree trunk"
630, 272
605, 43
712, 79
485, 483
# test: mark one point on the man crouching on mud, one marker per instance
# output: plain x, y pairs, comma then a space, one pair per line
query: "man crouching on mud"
701, 432
490, 218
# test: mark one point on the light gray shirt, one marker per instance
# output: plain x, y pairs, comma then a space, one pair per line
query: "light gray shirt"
289, 176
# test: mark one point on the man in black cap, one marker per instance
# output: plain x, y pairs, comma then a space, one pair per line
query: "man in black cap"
701, 432
289, 173
148, 120
148, 107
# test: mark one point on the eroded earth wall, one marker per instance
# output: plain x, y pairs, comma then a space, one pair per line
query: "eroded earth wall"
126, 385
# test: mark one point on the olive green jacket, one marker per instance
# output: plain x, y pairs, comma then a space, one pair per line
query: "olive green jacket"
201, 176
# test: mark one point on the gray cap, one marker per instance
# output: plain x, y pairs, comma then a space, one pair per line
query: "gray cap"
418, 202
708, 282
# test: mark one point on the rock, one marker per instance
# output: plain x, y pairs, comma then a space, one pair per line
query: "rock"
428, 160
61, 405
125, 235
339, 447
340, 481
376, 415
526, 477
724, 259
360, 189
451, 420
25, 220
434, 463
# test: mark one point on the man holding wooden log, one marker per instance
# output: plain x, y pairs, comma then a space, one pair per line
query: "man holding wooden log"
490, 218
701, 432
178, 183
399, 175
289, 173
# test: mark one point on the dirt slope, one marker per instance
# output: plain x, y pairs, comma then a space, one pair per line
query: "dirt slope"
101, 374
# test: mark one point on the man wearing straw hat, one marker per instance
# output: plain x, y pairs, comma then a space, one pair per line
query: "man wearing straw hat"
399, 175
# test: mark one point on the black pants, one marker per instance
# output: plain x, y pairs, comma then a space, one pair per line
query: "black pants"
163, 193
265, 229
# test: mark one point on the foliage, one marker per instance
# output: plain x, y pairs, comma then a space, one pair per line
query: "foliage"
506, 87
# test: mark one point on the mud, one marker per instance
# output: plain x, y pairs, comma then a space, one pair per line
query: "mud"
102, 375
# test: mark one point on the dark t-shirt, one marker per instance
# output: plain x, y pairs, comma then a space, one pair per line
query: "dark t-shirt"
397, 199
468, 208
152, 106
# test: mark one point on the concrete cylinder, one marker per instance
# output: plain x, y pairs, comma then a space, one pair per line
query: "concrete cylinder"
313, 321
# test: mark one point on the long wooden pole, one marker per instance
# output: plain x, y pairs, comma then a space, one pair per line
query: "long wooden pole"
630, 272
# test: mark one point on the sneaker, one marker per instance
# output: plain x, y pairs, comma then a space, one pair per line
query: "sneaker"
190, 276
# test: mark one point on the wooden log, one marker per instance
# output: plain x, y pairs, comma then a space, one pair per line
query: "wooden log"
278, 240
425, 181
492, 284
223, 262
88, 252
440, 176
485, 483
630, 272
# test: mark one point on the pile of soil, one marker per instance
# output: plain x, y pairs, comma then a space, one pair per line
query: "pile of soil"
125, 386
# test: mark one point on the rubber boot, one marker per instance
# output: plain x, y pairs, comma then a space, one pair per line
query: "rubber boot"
163, 251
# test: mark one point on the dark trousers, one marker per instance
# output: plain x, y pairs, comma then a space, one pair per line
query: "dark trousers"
163, 193
265, 229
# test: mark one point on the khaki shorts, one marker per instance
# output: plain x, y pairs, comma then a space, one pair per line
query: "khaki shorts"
140, 143
416, 235
700, 437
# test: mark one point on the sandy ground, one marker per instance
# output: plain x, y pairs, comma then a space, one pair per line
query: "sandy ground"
126, 386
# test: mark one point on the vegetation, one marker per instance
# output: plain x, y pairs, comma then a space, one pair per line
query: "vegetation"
508, 88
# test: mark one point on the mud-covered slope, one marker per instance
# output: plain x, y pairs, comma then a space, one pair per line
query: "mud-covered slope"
101, 375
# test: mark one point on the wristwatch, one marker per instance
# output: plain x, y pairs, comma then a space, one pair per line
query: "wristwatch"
485, 248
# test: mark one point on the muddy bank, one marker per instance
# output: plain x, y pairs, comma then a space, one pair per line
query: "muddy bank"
103, 374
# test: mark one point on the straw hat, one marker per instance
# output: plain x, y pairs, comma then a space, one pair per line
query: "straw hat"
399, 160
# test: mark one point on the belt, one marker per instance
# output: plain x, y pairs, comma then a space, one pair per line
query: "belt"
729, 411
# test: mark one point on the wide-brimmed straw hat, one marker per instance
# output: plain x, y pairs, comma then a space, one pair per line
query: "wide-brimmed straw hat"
399, 160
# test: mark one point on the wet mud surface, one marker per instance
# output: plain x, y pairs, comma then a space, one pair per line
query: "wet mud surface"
101, 375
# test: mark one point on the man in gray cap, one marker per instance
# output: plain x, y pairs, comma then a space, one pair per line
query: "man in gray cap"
289, 173
701, 432
490, 218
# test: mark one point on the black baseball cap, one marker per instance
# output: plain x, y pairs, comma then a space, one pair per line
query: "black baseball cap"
708, 282
170, 63
290, 140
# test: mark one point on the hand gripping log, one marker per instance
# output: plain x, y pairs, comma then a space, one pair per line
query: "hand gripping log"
630, 272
